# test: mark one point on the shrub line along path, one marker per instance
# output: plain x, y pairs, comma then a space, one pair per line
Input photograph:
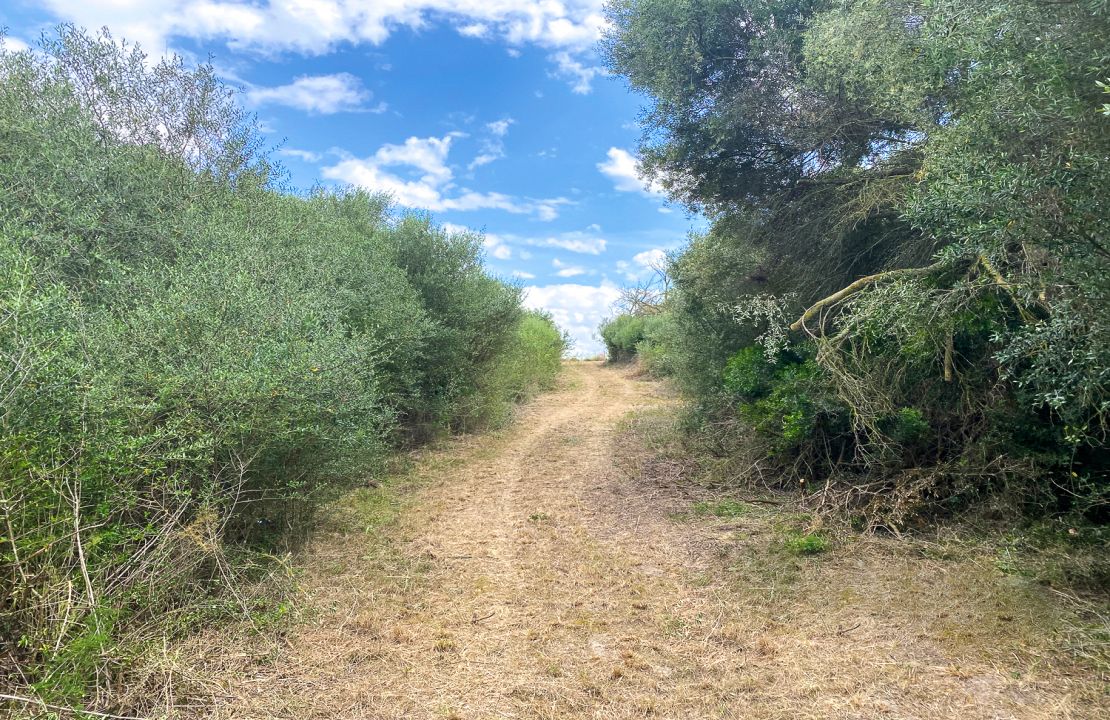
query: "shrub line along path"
532, 577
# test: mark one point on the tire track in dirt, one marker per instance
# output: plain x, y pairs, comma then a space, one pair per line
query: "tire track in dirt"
543, 595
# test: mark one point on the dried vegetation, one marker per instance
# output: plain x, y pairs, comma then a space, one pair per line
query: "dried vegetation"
580, 565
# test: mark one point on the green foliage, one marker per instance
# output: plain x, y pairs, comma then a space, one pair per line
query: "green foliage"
621, 335
908, 426
643, 337
653, 351
528, 365
799, 543
749, 374
195, 360
934, 189
795, 408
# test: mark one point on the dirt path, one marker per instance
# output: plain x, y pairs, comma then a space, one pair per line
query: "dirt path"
536, 583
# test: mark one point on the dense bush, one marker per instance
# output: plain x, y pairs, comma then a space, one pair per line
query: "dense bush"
529, 364
903, 292
633, 335
194, 360
621, 335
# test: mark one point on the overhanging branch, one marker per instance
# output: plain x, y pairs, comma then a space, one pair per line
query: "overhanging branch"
859, 285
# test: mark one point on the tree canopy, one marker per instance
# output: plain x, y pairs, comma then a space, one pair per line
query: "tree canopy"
918, 189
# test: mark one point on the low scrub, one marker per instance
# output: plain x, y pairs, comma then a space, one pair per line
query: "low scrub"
631, 336
195, 360
621, 335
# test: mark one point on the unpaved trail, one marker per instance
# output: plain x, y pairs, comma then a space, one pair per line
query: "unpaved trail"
549, 587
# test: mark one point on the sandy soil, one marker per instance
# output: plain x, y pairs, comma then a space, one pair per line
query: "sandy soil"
535, 579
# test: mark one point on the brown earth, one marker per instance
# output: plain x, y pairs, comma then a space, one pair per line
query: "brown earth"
542, 573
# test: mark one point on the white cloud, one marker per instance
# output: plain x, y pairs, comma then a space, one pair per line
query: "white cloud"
569, 29
474, 30
497, 247
547, 212
574, 241
318, 26
323, 94
484, 159
623, 169
568, 270
500, 127
581, 76
643, 264
578, 309
587, 243
424, 180
304, 155
523, 275
650, 258
12, 44
493, 148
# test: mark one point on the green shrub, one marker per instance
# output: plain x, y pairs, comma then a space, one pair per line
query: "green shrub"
645, 338
654, 351
907, 427
621, 335
530, 364
788, 404
200, 360
748, 374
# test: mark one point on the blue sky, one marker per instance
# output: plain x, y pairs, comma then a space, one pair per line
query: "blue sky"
494, 115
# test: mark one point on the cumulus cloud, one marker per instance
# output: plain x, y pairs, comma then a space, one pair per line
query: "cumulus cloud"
650, 258
569, 28
318, 26
643, 264
588, 242
320, 94
623, 169
416, 174
497, 247
474, 30
500, 128
578, 309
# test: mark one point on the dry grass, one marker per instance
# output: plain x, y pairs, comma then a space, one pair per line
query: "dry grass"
568, 569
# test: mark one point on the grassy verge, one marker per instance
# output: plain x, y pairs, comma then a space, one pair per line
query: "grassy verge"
1016, 600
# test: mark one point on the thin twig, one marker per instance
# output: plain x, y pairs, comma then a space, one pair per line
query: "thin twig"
48, 706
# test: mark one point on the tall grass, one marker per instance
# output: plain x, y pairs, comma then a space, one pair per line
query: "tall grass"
193, 360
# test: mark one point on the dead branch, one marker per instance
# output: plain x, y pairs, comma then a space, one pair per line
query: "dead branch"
859, 285
62, 708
